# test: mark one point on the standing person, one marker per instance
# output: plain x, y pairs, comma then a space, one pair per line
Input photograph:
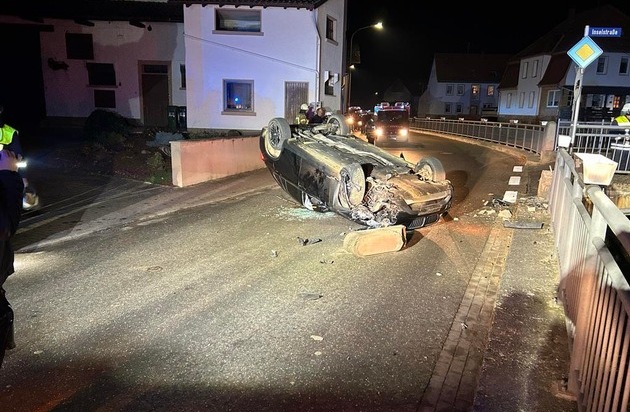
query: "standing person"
320, 115
11, 189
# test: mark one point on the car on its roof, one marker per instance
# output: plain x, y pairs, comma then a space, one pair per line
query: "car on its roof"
326, 168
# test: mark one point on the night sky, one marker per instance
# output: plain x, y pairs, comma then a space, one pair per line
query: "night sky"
404, 49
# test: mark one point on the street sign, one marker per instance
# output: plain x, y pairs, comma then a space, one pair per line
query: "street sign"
604, 32
585, 52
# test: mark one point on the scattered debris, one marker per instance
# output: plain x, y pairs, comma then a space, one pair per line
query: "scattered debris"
329, 262
307, 241
522, 225
464, 325
274, 253
315, 337
438, 274
310, 295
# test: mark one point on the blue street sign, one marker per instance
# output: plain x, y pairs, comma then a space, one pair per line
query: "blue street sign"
604, 31
584, 52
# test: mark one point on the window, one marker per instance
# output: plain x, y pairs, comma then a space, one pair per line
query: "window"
458, 108
447, 107
238, 20
238, 95
449, 89
553, 98
101, 74
475, 90
602, 65
460, 89
79, 46
623, 66
524, 70
331, 29
329, 84
182, 75
532, 98
535, 68
521, 100
508, 100
490, 90
105, 99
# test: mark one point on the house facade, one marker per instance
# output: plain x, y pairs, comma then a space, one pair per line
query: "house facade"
246, 65
463, 86
539, 82
229, 65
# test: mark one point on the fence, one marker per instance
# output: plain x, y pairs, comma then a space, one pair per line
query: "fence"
593, 242
519, 135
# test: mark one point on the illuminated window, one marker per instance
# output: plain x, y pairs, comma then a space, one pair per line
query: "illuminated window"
475, 90
490, 90
553, 98
460, 89
623, 66
238, 20
449, 89
602, 65
238, 96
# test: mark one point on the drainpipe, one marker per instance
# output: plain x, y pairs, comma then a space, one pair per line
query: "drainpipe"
318, 58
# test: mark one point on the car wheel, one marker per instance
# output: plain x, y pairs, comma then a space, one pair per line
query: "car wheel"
340, 122
351, 186
277, 132
430, 168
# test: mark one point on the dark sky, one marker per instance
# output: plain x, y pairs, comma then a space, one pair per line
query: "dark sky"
404, 49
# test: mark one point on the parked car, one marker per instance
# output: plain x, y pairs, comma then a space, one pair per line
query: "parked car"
326, 168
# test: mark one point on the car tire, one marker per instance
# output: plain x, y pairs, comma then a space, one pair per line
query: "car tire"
339, 121
351, 186
430, 168
277, 132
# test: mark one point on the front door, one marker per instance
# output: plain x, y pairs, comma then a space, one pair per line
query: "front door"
155, 94
295, 94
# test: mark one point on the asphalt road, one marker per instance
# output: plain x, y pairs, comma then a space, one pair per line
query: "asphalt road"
215, 304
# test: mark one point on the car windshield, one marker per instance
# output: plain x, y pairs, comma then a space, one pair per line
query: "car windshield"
393, 116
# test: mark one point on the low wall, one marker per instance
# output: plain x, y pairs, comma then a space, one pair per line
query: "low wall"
196, 161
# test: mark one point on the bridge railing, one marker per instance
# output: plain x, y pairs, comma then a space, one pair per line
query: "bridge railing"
593, 242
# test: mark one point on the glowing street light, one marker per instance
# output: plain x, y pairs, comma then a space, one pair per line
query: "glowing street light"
378, 26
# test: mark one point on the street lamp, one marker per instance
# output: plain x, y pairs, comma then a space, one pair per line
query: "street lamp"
378, 26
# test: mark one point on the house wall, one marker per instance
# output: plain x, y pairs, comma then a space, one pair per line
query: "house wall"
68, 93
287, 50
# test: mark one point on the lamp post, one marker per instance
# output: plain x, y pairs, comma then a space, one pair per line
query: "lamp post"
378, 26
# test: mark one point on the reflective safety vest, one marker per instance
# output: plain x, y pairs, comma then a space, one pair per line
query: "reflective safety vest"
622, 120
6, 134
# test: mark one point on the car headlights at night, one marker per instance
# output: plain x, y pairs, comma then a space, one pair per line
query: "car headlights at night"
378, 131
403, 132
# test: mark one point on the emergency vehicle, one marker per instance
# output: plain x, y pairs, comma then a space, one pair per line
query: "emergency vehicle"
391, 123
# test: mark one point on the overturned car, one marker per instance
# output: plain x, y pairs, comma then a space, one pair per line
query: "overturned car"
325, 168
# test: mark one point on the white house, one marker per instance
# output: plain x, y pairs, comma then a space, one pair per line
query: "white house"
222, 64
246, 65
463, 85
538, 83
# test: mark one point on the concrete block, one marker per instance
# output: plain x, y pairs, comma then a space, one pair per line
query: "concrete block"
375, 241
544, 184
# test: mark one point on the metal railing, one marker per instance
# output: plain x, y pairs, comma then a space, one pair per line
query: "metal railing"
519, 135
593, 242
602, 138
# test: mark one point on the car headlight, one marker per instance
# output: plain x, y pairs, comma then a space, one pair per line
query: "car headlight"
349, 120
403, 132
379, 131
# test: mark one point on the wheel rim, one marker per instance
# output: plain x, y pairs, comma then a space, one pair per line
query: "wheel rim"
273, 141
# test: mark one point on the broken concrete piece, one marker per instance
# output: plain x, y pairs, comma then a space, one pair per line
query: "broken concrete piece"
374, 241
522, 225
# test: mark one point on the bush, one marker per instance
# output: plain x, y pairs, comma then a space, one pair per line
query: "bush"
106, 127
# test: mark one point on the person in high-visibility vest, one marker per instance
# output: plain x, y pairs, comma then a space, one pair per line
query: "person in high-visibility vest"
10, 140
624, 118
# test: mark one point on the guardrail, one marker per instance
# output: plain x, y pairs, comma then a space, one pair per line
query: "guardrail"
519, 135
593, 242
